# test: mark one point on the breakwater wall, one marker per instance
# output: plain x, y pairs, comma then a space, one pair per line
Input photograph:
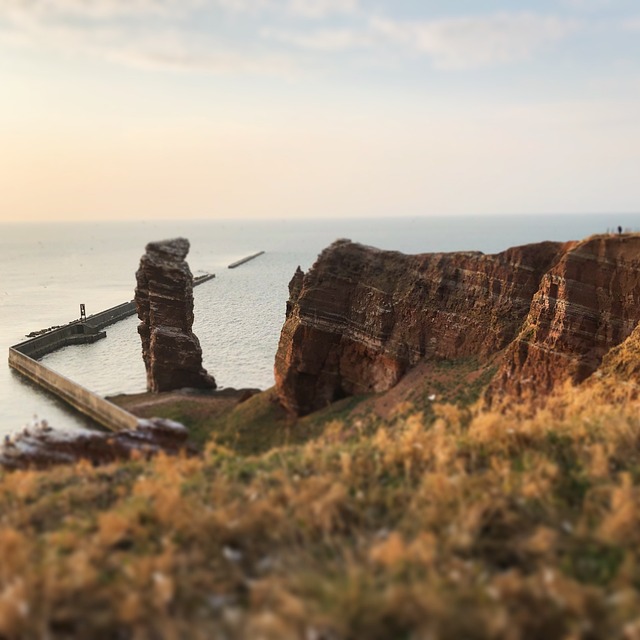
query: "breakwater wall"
90, 404
237, 263
111, 316
84, 332
127, 309
73, 333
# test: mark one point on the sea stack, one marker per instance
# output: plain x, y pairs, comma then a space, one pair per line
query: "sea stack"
164, 300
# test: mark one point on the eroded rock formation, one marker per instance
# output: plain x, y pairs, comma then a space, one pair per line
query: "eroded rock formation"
588, 303
361, 316
543, 313
164, 300
40, 446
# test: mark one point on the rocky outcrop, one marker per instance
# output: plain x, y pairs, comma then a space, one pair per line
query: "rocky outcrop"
164, 300
295, 286
40, 446
361, 317
588, 303
542, 313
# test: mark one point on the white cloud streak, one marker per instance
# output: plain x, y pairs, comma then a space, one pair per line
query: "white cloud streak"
631, 24
93, 9
157, 50
455, 43
161, 33
588, 5
322, 8
324, 40
119, 31
314, 9
105, 9
476, 41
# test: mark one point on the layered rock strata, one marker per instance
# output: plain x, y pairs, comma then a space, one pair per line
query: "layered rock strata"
587, 304
543, 313
164, 301
361, 317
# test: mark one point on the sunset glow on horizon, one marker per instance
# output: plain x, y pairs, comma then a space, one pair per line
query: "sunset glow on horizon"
204, 109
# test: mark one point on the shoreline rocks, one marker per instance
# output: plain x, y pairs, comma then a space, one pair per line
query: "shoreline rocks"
40, 446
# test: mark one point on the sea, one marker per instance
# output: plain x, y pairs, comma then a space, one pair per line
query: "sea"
48, 270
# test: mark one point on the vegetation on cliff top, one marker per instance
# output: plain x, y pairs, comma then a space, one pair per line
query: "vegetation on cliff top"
457, 523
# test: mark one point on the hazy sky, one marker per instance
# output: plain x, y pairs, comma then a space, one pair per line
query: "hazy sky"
308, 108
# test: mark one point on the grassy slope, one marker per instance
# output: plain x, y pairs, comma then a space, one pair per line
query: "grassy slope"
444, 523
259, 424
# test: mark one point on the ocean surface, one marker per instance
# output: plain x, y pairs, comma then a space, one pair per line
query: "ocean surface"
47, 270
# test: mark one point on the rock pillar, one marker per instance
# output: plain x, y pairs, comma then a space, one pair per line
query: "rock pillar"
164, 300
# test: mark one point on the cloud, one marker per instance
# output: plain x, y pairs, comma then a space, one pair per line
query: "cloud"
170, 34
325, 40
156, 50
322, 8
475, 41
588, 5
631, 24
451, 43
92, 9
218, 62
304, 8
106, 9
150, 34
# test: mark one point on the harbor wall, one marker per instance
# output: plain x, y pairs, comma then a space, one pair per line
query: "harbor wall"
73, 333
113, 315
87, 332
90, 404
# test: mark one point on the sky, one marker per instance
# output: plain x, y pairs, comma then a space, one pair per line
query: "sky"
206, 109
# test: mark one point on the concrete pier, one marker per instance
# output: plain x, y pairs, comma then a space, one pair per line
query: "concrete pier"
87, 332
233, 265
90, 404
73, 333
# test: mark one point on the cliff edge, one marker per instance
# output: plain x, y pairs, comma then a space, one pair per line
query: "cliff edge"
587, 305
362, 317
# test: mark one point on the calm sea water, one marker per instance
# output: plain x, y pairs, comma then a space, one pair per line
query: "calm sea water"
47, 270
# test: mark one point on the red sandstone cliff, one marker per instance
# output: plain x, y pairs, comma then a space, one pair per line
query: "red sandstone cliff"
361, 317
588, 303
164, 300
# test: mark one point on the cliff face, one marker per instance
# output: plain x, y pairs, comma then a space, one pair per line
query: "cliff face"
164, 300
361, 317
588, 303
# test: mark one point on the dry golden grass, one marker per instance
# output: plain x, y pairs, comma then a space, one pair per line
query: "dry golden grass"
511, 525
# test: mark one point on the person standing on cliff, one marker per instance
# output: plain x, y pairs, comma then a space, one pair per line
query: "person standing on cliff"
619, 230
